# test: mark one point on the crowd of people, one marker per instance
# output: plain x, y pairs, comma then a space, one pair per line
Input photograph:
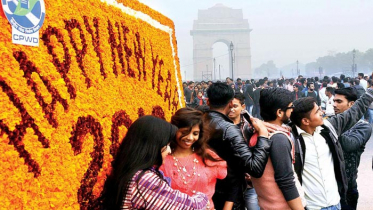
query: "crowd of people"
320, 89
280, 144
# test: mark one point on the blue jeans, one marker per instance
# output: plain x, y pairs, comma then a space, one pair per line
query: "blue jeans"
257, 111
335, 207
251, 199
250, 109
370, 111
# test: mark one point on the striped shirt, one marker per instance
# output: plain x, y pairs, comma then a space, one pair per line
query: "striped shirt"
152, 192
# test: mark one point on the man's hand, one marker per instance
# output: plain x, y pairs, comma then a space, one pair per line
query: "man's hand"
270, 127
259, 127
247, 177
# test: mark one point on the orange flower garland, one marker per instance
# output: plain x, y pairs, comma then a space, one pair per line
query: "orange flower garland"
67, 103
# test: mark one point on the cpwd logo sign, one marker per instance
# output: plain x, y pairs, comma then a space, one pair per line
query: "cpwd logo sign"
26, 18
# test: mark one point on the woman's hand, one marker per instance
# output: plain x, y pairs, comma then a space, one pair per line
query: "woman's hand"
208, 205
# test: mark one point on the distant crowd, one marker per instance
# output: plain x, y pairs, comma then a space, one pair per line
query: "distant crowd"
320, 89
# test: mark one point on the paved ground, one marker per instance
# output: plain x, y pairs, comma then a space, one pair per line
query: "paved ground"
365, 178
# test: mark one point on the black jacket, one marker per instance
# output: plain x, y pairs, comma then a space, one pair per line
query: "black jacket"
333, 128
227, 140
187, 94
257, 95
353, 144
249, 95
360, 90
294, 95
196, 102
314, 95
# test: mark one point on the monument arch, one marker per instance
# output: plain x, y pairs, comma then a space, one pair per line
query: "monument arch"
226, 25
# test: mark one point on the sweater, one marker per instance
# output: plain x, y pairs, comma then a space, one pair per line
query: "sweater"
205, 179
279, 182
150, 191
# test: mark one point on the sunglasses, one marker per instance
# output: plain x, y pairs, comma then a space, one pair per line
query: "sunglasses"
289, 107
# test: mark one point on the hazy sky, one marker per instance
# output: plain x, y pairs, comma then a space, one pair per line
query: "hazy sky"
283, 30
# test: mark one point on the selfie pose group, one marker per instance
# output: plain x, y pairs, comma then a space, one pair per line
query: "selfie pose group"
217, 156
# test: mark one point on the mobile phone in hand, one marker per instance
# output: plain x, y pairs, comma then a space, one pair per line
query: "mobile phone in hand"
247, 116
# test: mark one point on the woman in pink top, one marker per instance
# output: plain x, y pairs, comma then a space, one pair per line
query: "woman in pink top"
191, 166
135, 181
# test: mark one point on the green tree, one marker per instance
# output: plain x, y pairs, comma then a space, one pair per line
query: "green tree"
268, 69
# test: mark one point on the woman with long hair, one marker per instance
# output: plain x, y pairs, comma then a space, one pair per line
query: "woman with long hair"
192, 166
194, 95
135, 181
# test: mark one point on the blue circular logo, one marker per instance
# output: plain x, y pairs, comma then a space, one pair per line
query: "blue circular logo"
27, 16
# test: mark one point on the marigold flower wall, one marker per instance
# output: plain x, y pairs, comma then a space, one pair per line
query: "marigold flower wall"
66, 105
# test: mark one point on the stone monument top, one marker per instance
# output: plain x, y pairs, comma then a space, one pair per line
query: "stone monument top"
221, 24
220, 16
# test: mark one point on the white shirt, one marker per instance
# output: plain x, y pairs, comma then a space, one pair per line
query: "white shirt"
329, 108
319, 182
323, 97
364, 84
289, 87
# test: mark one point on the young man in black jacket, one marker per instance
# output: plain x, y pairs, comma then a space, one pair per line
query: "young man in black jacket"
250, 197
296, 94
353, 144
228, 142
319, 161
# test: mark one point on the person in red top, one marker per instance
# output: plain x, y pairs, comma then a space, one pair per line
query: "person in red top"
192, 166
199, 100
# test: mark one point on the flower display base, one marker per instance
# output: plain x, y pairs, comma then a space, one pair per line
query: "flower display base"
66, 105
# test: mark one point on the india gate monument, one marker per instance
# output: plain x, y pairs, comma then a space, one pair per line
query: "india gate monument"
221, 24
